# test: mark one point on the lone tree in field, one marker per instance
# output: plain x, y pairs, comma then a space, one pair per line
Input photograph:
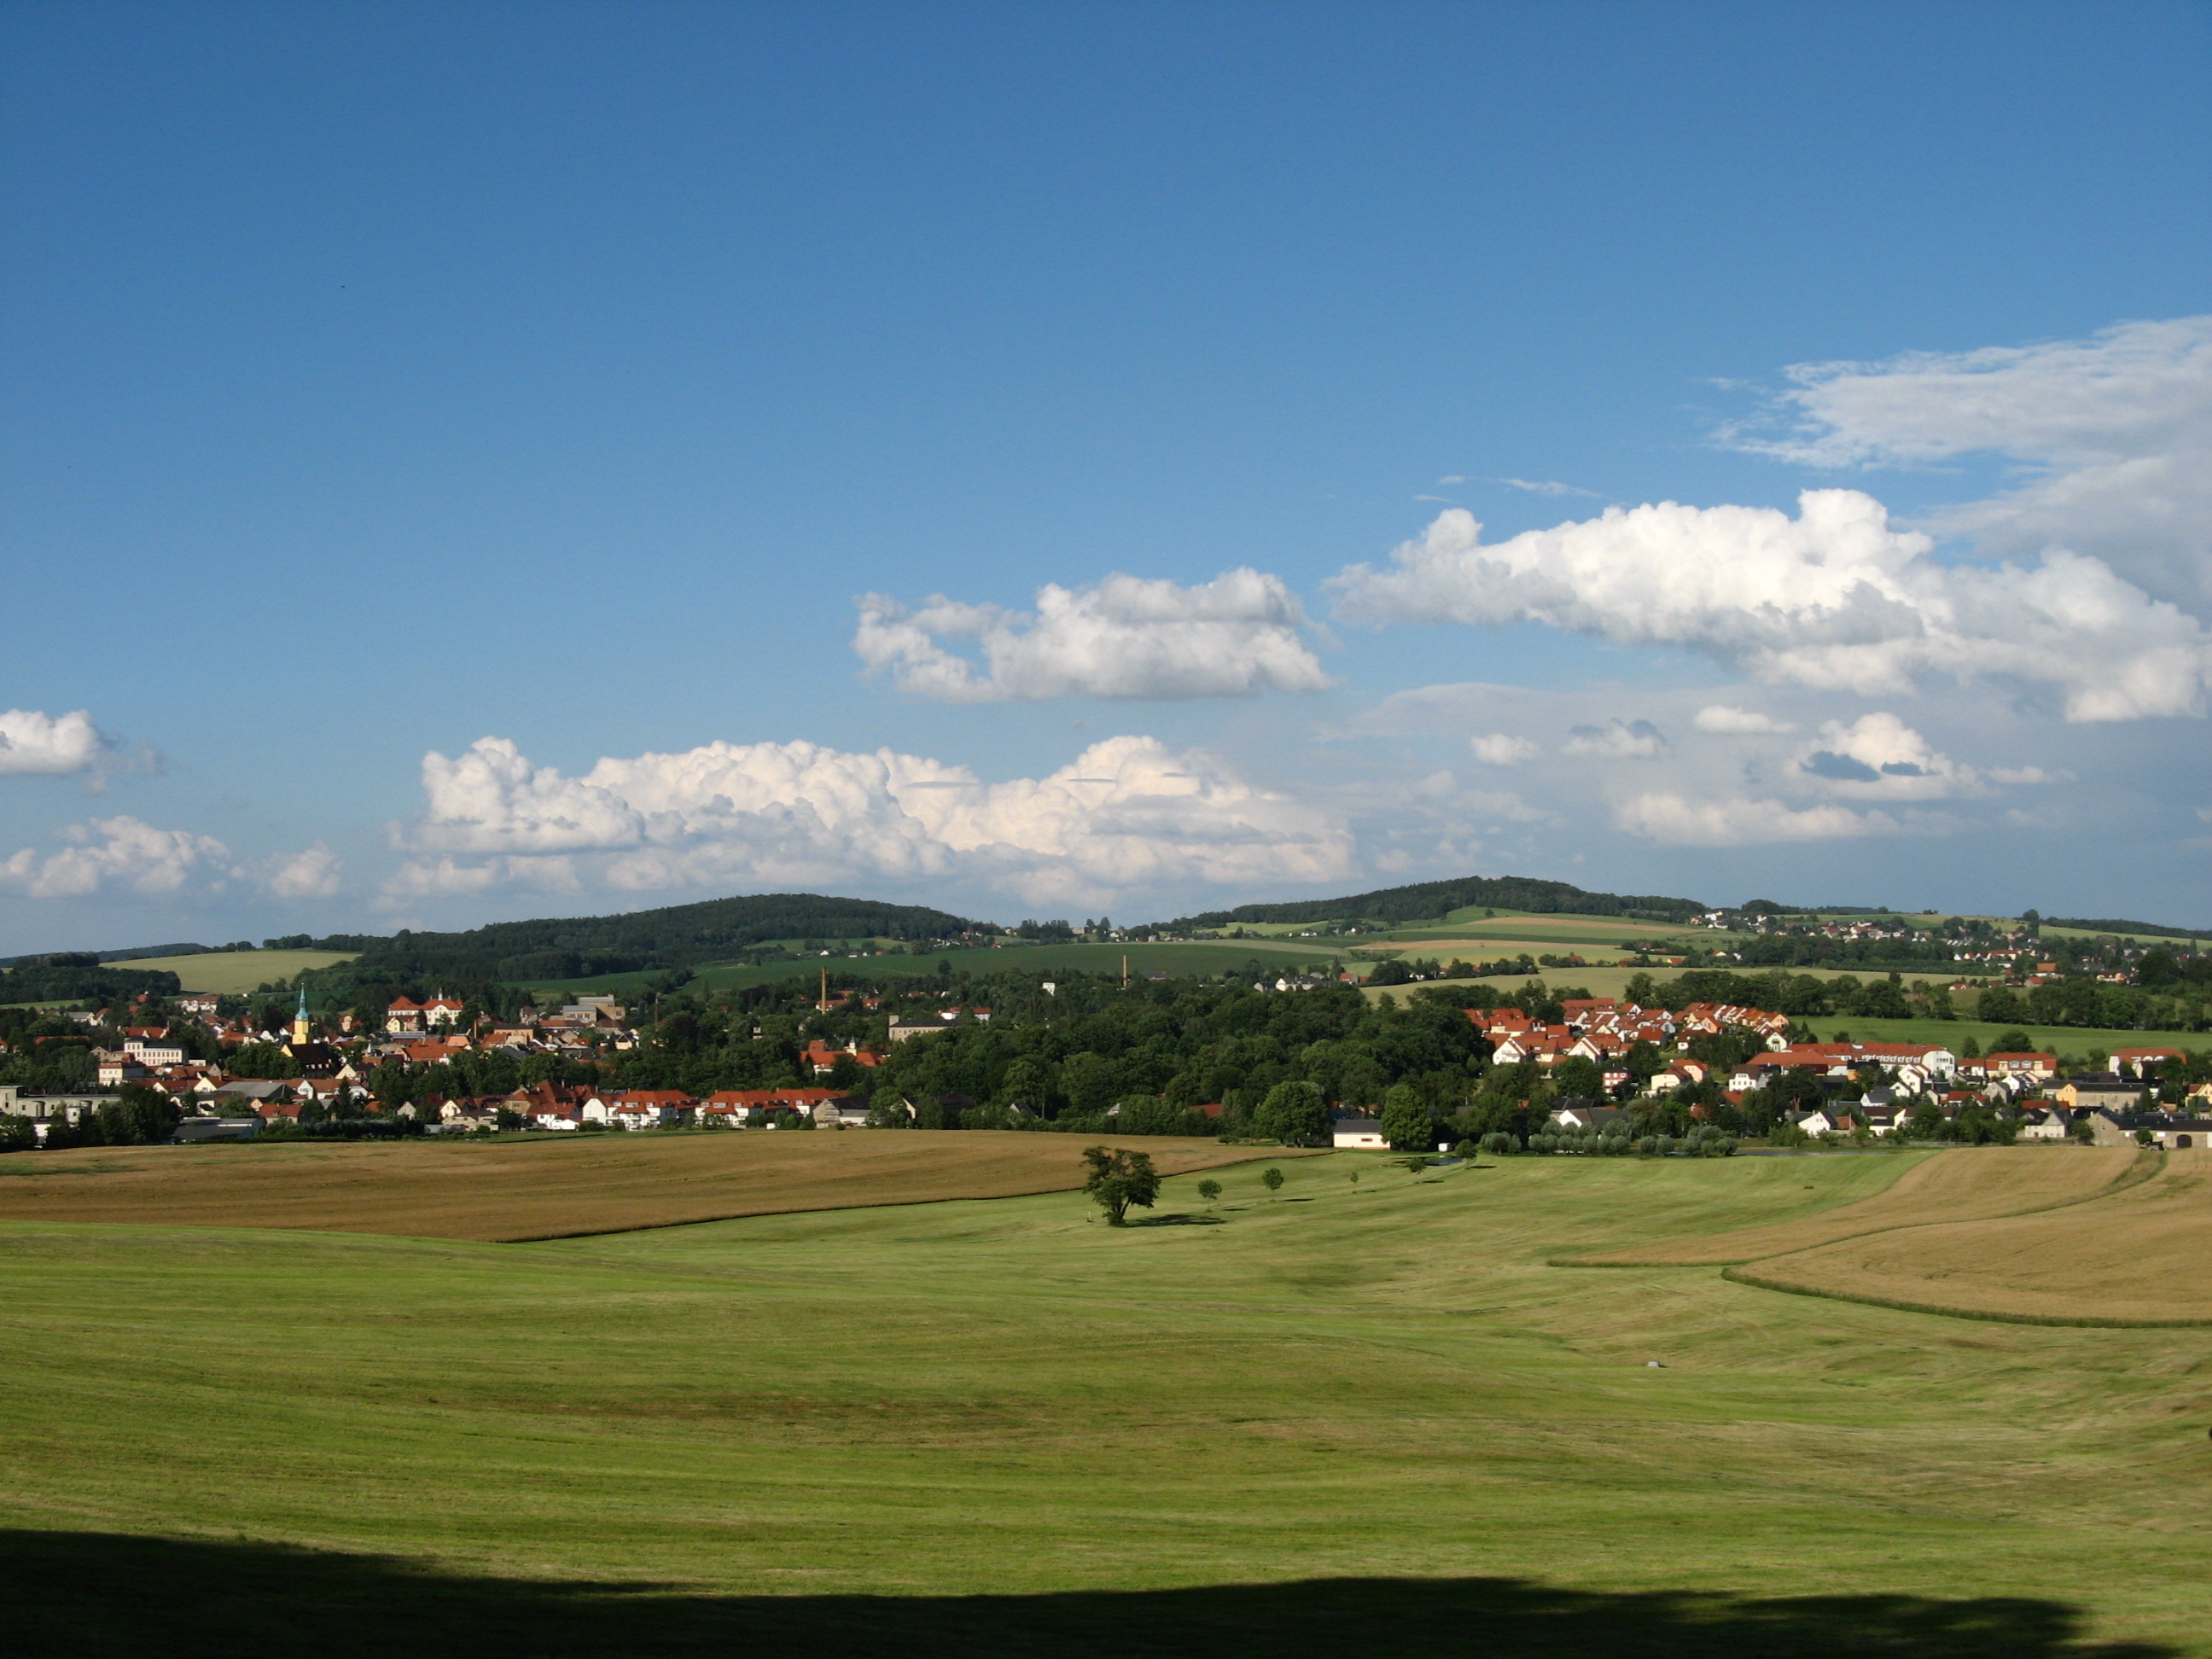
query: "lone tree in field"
1407, 1123
1119, 1180
1271, 1178
1295, 1114
1209, 1190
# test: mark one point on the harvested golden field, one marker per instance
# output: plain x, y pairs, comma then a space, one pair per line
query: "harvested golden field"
2139, 1256
1967, 1184
505, 1190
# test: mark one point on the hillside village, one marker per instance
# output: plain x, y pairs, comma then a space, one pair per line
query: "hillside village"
1542, 1072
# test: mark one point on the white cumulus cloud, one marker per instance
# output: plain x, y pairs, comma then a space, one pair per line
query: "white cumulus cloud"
2114, 433
1126, 637
1619, 740
34, 742
1128, 812
1738, 722
315, 872
1879, 754
119, 852
1679, 821
1834, 598
1503, 749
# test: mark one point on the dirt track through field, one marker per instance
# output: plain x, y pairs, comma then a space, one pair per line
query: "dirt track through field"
510, 1190
2141, 1256
1972, 1184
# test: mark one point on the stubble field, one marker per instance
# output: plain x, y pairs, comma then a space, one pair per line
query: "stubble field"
1971, 1183
547, 1186
2138, 1255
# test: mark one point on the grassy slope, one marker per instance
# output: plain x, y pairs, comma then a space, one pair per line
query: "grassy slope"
230, 972
1379, 1379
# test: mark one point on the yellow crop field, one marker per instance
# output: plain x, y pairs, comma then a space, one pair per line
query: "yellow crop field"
2141, 1256
504, 1190
232, 973
1967, 1184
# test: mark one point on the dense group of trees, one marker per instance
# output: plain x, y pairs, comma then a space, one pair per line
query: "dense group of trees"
680, 936
1430, 900
2167, 997
138, 1116
79, 976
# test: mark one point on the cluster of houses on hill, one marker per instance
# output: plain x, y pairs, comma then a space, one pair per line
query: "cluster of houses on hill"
2110, 1107
336, 1058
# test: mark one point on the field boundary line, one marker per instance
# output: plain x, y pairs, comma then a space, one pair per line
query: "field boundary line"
2134, 1176
1737, 1273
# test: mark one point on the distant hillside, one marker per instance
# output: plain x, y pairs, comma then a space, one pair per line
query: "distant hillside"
679, 936
68, 977
94, 957
1429, 900
2106, 925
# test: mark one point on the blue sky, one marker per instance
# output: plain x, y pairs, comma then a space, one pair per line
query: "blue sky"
450, 450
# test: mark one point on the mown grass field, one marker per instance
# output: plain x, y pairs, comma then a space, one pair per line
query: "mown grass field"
1350, 1417
545, 1186
233, 973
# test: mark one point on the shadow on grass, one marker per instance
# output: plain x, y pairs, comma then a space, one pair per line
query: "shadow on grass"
84, 1594
1178, 1218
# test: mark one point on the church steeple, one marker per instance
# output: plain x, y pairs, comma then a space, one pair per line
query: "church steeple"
300, 1033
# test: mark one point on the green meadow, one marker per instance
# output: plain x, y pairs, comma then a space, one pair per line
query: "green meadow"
1361, 1414
232, 973
2077, 1040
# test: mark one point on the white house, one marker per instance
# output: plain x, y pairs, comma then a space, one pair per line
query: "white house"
1358, 1134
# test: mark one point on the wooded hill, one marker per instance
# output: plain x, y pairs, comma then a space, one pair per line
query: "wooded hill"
71, 975
679, 936
1431, 900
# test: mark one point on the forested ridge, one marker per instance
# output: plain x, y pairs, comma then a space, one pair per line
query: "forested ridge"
677, 936
1431, 900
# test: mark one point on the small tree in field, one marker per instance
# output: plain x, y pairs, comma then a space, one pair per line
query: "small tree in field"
1272, 1178
1119, 1180
1209, 1190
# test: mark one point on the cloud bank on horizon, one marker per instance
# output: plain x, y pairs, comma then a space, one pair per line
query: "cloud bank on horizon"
1126, 813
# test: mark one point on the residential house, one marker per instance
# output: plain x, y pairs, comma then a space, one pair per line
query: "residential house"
2125, 1059
1825, 1120
823, 1059
639, 1108
1358, 1134
2108, 1090
743, 1101
1581, 1114
114, 1070
2027, 1066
